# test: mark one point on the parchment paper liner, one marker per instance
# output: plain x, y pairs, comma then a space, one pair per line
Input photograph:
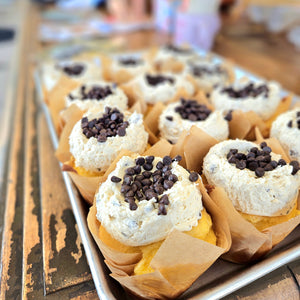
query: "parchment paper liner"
56, 99
248, 243
87, 186
242, 125
178, 262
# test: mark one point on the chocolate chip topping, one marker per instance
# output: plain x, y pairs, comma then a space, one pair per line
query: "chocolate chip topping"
95, 93
297, 123
145, 181
130, 61
228, 116
155, 80
200, 71
111, 124
192, 110
178, 49
73, 70
248, 91
169, 118
258, 161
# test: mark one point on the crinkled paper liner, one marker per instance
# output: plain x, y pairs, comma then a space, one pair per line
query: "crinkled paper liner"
248, 243
242, 125
56, 99
180, 260
87, 185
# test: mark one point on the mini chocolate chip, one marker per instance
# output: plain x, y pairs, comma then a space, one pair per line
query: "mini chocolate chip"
146, 181
162, 209
121, 131
129, 199
137, 169
167, 174
295, 165
150, 194
138, 184
228, 116
298, 114
127, 179
259, 172
168, 184
164, 199
241, 164
268, 167
159, 165
169, 118
177, 158
139, 177
132, 205
166, 168
254, 150
147, 174
281, 162
148, 167
134, 187
125, 188
263, 144
253, 165
193, 176
115, 179
149, 159
173, 178
167, 160
159, 189
129, 171
250, 154
240, 156
232, 159
157, 172
290, 124
262, 164
156, 178
274, 164
139, 195
140, 161
158, 79
267, 149
130, 193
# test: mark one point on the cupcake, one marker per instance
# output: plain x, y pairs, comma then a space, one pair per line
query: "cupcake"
208, 74
286, 129
99, 137
262, 186
182, 115
150, 209
99, 93
75, 70
171, 58
155, 88
124, 68
260, 97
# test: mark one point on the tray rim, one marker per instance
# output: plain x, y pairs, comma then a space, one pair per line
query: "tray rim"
233, 283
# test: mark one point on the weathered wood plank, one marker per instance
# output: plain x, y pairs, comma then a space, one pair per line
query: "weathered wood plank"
64, 259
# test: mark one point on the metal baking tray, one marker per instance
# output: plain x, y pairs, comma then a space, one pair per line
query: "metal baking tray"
220, 280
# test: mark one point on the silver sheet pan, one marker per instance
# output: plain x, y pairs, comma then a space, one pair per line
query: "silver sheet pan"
221, 279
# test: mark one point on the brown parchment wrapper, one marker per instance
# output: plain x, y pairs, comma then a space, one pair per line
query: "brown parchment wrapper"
180, 260
242, 125
193, 145
87, 185
248, 243
56, 99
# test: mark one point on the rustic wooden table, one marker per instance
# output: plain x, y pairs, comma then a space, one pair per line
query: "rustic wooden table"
42, 255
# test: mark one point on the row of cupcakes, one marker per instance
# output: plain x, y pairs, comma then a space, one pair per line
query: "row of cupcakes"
154, 216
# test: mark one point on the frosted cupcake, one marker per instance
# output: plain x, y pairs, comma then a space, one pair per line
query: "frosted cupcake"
184, 114
261, 97
99, 93
208, 74
262, 186
286, 128
76, 70
99, 137
153, 88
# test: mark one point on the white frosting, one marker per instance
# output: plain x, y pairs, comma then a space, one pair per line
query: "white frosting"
215, 125
270, 195
117, 99
95, 156
264, 107
143, 225
288, 137
207, 81
162, 92
51, 72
